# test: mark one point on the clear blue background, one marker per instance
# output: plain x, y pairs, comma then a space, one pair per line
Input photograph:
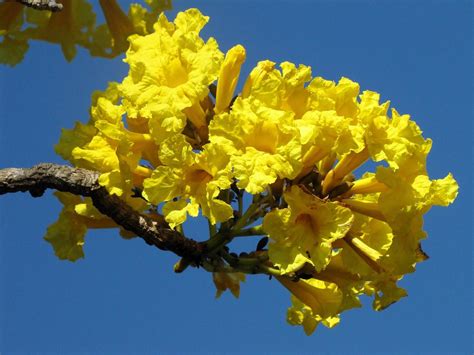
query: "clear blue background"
124, 295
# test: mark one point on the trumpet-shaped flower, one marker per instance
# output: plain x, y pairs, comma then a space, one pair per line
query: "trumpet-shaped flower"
172, 67
110, 39
298, 147
263, 142
68, 28
324, 133
404, 204
279, 90
186, 175
314, 301
326, 95
228, 77
397, 140
228, 281
74, 26
304, 232
106, 146
67, 234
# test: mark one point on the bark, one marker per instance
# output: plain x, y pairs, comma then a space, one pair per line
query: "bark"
50, 5
84, 182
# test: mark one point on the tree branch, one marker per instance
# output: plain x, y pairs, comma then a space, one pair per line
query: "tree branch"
85, 183
50, 5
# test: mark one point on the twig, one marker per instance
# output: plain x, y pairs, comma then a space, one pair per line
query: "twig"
50, 5
84, 182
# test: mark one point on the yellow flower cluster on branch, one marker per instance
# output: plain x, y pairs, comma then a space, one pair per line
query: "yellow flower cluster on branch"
173, 140
75, 25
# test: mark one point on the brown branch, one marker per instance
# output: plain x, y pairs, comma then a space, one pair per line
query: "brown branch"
50, 5
84, 182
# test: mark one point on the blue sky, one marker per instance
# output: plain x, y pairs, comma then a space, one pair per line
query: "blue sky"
124, 295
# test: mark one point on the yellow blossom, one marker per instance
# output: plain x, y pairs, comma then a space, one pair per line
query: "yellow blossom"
68, 28
323, 298
327, 96
404, 204
67, 234
297, 144
75, 25
172, 67
305, 231
228, 281
263, 141
367, 185
106, 146
228, 77
345, 166
187, 175
110, 39
301, 314
119, 24
279, 90
324, 133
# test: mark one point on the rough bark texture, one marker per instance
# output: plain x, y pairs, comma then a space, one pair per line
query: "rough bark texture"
50, 5
84, 182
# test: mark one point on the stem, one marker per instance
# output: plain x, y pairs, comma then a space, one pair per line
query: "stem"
371, 263
251, 264
218, 240
226, 196
242, 222
257, 230
212, 229
240, 202
270, 270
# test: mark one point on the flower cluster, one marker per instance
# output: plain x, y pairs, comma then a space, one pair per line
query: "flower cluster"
174, 140
75, 25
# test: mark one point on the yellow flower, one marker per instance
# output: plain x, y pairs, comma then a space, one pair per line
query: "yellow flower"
325, 95
228, 281
12, 50
110, 39
74, 26
371, 236
387, 293
228, 77
263, 143
171, 70
106, 146
67, 234
70, 139
68, 28
335, 234
397, 140
319, 300
324, 133
365, 249
301, 314
10, 16
119, 24
366, 185
304, 232
190, 176
348, 163
404, 204
279, 90
394, 203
